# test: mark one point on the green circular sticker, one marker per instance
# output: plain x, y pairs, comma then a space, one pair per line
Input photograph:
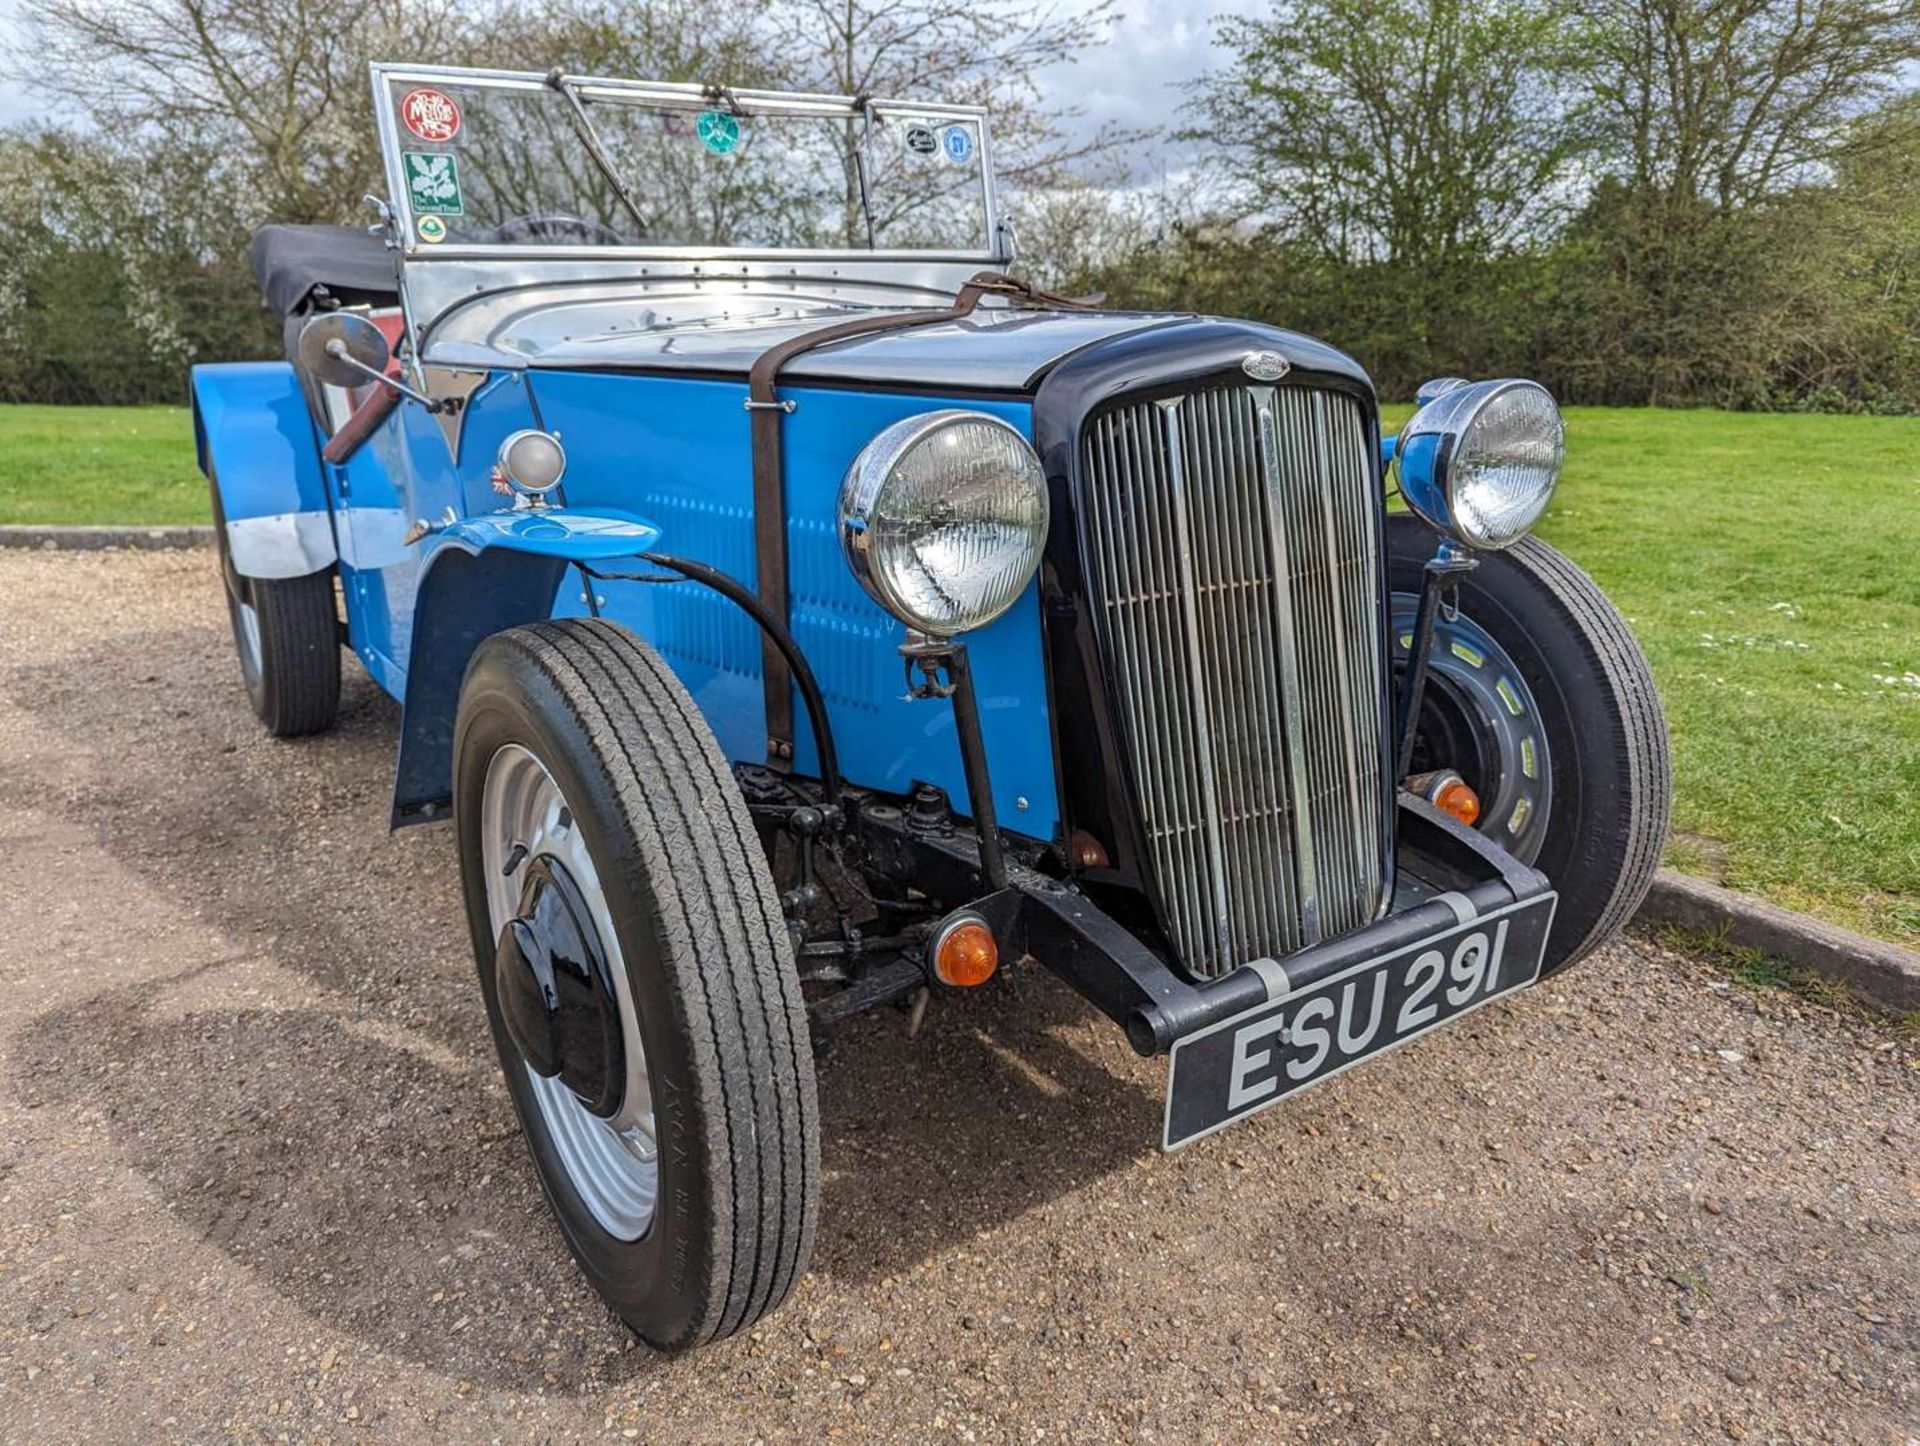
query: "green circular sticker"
719, 131
432, 229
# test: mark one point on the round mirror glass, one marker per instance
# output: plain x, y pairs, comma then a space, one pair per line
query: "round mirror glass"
332, 343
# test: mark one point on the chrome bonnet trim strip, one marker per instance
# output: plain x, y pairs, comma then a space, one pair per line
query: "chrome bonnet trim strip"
1292, 709
1182, 504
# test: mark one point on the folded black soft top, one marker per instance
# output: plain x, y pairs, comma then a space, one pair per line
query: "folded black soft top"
349, 264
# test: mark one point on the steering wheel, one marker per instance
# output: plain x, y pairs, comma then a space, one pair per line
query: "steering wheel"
556, 226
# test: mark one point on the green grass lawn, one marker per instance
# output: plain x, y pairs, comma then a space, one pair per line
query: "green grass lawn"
1770, 564
99, 465
1771, 568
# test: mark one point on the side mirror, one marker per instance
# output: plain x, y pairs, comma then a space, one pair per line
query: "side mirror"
344, 349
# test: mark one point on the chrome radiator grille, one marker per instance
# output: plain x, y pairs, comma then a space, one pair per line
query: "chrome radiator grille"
1229, 541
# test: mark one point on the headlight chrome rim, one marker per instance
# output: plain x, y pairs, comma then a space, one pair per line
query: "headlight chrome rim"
531, 445
864, 490
1427, 457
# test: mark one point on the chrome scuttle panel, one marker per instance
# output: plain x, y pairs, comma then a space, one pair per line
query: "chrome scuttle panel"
683, 319
1229, 537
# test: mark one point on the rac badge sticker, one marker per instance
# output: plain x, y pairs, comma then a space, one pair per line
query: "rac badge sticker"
1265, 366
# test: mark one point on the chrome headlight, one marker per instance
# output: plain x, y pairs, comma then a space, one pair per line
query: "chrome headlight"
1481, 460
942, 517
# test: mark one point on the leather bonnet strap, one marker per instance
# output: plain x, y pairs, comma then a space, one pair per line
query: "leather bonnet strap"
767, 412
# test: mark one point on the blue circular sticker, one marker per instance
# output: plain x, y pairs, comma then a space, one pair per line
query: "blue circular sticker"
719, 131
957, 142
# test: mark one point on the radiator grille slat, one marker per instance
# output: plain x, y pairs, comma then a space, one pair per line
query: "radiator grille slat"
1229, 543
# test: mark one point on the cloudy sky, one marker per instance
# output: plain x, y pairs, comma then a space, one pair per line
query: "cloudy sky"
1133, 80
16, 104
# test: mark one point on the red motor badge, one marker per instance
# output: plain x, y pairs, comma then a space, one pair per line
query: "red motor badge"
431, 115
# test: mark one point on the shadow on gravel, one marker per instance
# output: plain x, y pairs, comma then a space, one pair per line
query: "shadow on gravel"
390, 1196
985, 1116
363, 1180
376, 1192
280, 844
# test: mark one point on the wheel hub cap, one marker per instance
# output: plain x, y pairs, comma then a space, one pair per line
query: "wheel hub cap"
610, 1162
556, 990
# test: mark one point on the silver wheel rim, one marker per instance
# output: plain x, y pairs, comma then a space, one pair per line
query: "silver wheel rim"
612, 1165
1481, 672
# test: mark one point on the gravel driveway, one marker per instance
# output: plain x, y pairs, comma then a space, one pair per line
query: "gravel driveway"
258, 1180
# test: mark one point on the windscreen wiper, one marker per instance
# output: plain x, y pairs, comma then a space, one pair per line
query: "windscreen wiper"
864, 104
583, 123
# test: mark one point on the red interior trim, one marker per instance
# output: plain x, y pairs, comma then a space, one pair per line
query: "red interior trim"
375, 402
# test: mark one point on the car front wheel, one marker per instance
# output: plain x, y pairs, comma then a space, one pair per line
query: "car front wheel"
1540, 699
636, 972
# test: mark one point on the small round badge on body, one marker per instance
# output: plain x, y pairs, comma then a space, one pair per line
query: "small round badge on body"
430, 114
719, 131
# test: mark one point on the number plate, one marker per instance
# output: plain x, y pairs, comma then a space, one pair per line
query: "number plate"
1242, 1065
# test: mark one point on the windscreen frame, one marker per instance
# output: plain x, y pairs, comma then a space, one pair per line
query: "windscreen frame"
413, 251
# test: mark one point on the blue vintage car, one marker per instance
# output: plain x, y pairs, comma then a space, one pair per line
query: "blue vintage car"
795, 612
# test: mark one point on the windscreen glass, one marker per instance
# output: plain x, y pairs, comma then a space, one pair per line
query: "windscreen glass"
512, 163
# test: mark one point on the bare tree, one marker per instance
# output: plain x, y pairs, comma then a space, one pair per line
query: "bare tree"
275, 90
1079, 232
1727, 101
981, 52
716, 42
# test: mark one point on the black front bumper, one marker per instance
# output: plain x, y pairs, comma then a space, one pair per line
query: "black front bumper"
1446, 871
